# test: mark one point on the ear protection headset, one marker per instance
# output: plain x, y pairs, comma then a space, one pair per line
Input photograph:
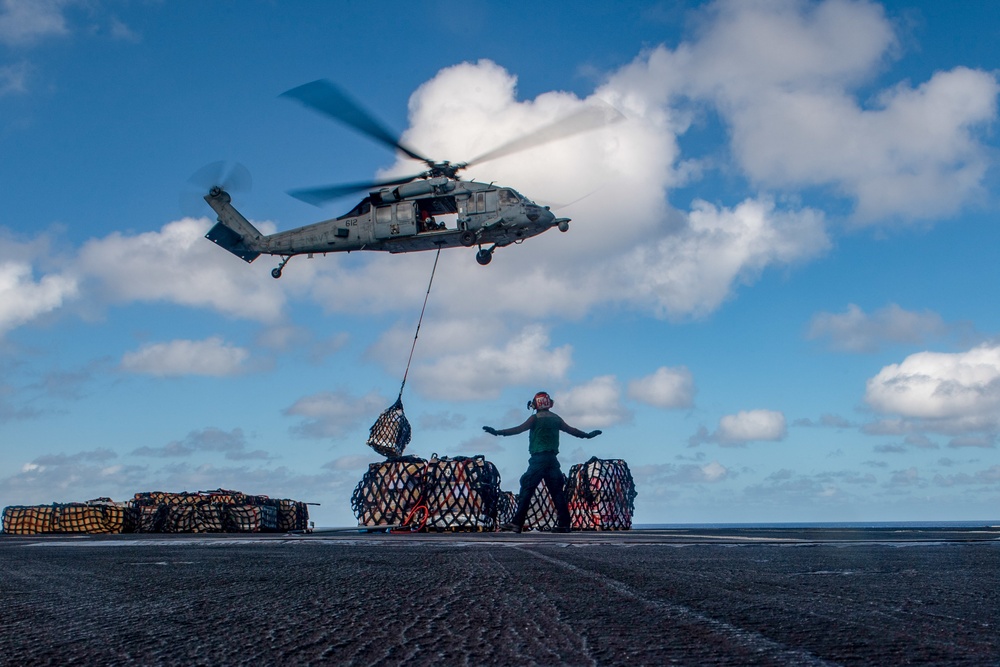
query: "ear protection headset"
541, 401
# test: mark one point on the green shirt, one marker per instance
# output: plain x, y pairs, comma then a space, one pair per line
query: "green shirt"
544, 434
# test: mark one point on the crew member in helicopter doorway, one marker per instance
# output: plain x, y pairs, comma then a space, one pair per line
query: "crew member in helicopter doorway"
543, 464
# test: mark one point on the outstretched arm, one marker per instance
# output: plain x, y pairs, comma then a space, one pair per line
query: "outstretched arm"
572, 430
511, 431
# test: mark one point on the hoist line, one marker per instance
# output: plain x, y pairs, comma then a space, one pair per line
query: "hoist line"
419, 322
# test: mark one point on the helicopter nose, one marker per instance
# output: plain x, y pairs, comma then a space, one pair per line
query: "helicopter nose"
537, 213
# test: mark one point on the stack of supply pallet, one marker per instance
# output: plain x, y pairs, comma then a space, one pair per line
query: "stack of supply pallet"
218, 511
459, 494
92, 517
601, 495
389, 492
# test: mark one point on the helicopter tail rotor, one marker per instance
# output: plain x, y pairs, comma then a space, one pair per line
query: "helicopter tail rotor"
225, 175
229, 176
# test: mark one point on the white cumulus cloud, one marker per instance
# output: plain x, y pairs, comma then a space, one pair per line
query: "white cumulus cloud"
177, 265
22, 298
751, 425
594, 404
692, 272
666, 388
784, 75
624, 245
212, 357
946, 392
526, 358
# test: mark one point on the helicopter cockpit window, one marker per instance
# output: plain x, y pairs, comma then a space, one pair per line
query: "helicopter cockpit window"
522, 198
383, 215
507, 197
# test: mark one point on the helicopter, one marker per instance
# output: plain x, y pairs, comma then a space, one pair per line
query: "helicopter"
403, 214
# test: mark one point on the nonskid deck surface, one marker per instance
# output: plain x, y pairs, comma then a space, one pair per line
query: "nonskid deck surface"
719, 596
650, 536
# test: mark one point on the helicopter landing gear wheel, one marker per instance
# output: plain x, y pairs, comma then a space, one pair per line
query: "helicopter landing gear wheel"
468, 238
276, 273
484, 257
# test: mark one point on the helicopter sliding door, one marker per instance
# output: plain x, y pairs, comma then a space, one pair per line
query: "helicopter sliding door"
394, 220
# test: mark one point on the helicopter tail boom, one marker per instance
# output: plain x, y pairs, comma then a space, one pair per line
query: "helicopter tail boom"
232, 232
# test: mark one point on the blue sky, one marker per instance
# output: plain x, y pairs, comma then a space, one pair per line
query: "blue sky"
775, 298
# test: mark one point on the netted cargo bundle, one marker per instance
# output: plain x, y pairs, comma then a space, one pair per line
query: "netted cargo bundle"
215, 511
391, 432
118, 517
389, 491
89, 518
93, 517
200, 518
27, 520
601, 495
506, 506
461, 493
541, 510
292, 515
150, 518
250, 518
160, 512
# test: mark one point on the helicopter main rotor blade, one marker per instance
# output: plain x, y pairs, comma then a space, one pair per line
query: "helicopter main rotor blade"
323, 96
324, 193
589, 118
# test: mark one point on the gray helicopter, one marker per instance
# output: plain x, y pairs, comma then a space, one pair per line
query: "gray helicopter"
405, 214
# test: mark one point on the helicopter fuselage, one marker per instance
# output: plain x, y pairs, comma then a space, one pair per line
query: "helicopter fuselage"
407, 218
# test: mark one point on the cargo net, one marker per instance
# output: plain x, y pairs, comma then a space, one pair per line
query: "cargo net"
92, 517
219, 511
542, 509
461, 493
506, 506
601, 495
390, 492
408, 492
390, 434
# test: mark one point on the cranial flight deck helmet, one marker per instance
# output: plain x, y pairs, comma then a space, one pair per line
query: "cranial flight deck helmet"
541, 401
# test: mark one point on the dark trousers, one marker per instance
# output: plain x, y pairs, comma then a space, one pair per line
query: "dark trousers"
544, 466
